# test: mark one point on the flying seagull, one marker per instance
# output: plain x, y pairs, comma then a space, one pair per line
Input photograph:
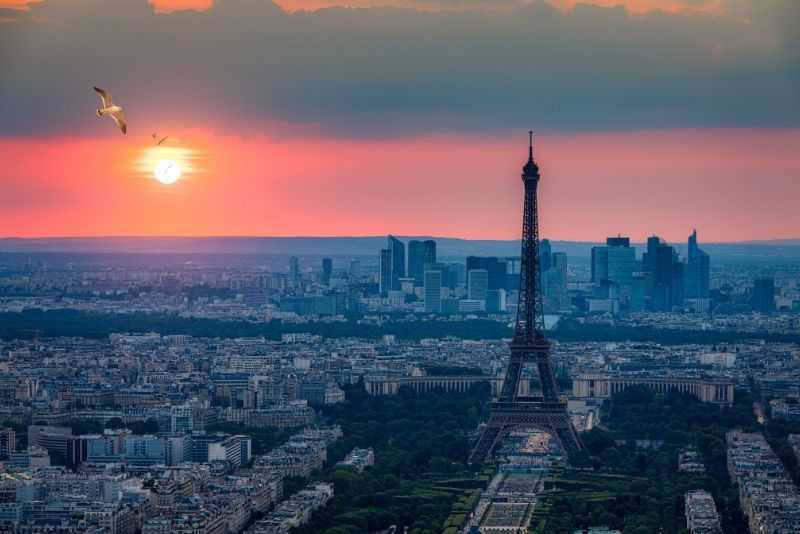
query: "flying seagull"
115, 112
154, 136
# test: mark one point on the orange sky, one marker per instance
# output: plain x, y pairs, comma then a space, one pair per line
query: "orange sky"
356, 122
730, 184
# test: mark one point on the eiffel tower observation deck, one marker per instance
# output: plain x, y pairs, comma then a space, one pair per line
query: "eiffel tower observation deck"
511, 411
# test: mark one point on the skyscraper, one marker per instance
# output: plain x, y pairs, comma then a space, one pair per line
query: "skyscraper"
664, 276
545, 252
420, 253
612, 270
327, 270
648, 258
294, 269
663, 259
496, 300
599, 264
393, 265
697, 272
398, 250
554, 284
433, 291
448, 276
386, 271
667, 276
495, 269
764, 294
477, 283
614, 262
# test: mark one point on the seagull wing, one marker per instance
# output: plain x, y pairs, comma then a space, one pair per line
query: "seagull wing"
107, 102
162, 140
119, 118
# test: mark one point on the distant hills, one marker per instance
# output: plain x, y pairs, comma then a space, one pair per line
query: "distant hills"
776, 252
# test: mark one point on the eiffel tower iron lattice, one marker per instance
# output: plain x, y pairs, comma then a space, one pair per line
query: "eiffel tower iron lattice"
510, 410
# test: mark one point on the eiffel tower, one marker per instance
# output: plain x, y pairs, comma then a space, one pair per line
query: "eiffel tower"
511, 411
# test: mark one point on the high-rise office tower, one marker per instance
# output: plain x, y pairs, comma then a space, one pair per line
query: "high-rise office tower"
663, 259
496, 300
294, 269
764, 294
448, 276
327, 270
398, 250
420, 253
496, 269
599, 264
458, 275
385, 271
393, 265
612, 270
697, 272
545, 253
666, 290
618, 241
648, 258
664, 276
432, 281
559, 260
512, 275
615, 262
554, 284
477, 283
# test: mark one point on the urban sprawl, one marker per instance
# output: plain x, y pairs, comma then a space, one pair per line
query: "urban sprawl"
142, 430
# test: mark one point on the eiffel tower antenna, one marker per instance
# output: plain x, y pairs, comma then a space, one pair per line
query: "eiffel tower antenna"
510, 410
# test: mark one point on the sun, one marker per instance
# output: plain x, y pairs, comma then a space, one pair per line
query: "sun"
167, 171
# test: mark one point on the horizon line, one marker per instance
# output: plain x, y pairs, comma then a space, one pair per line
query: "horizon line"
373, 236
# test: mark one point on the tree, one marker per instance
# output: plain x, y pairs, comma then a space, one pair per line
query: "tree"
149, 426
84, 426
115, 423
419, 441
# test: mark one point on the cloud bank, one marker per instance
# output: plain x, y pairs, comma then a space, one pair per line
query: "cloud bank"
246, 64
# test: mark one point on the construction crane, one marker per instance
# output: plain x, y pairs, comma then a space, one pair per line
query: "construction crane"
36, 333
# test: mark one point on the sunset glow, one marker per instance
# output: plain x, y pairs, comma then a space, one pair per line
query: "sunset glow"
167, 164
354, 187
167, 171
279, 120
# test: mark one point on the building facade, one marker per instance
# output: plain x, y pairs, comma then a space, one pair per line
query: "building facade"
420, 253
602, 386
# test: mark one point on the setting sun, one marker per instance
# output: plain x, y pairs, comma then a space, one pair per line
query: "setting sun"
167, 171
167, 164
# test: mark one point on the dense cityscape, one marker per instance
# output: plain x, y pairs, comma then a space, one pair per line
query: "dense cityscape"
225, 419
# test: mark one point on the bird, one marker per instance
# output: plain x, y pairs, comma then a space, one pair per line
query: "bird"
115, 112
154, 136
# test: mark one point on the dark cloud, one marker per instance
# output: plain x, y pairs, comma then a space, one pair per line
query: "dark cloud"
388, 71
